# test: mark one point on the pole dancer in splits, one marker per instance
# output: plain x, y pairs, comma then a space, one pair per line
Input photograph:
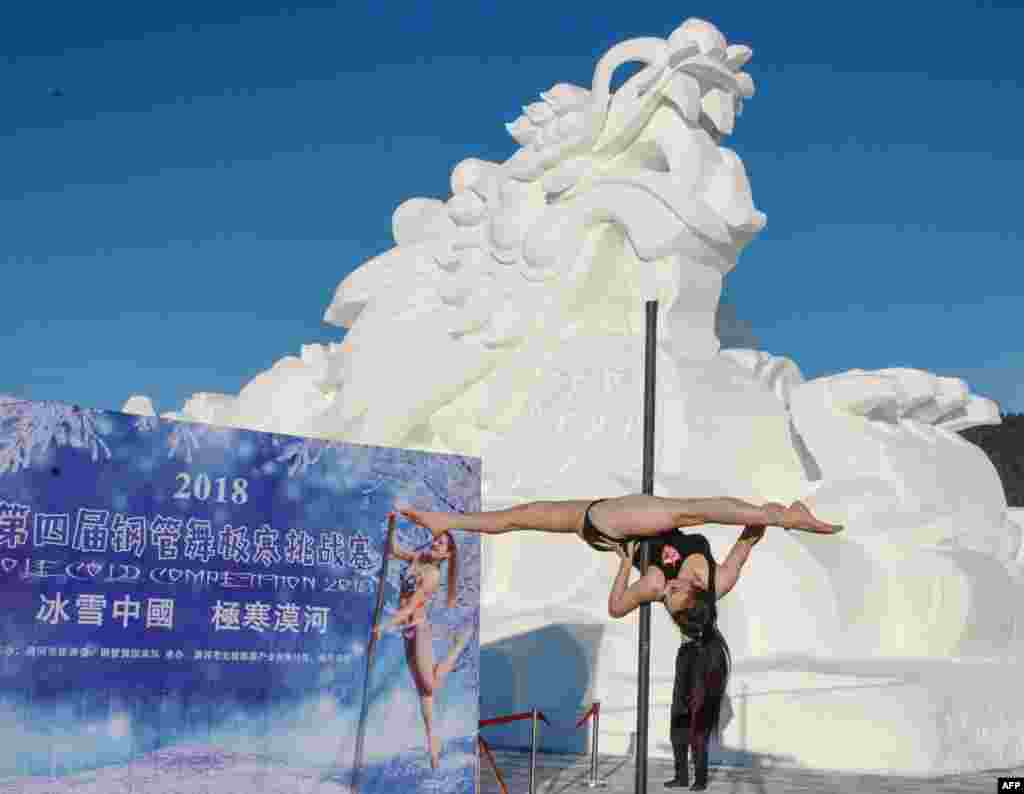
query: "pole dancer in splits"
609, 523
419, 585
685, 578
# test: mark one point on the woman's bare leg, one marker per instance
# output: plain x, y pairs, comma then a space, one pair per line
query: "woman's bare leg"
441, 669
640, 515
636, 515
433, 743
564, 516
432, 679
420, 655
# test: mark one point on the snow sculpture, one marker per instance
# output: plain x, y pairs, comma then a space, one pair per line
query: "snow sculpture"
514, 313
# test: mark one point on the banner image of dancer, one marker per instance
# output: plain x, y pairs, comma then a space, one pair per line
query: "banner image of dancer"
189, 607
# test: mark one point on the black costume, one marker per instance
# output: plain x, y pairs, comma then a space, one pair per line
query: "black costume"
684, 545
594, 537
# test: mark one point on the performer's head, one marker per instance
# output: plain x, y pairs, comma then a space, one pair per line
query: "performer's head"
441, 547
444, 548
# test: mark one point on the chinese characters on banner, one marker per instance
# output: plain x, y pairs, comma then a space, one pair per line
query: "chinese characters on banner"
168, 536
170, 580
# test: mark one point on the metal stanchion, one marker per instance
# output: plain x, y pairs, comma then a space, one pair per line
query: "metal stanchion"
535, 730
744, 698
594, 782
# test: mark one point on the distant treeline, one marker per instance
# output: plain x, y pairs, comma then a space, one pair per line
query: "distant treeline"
1004, 445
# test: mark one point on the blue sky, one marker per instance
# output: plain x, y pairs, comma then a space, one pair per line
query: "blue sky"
177, 218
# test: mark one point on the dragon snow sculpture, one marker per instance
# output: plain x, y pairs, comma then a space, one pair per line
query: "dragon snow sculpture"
507, 323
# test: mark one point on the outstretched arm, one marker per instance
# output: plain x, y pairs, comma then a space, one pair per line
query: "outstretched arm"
623, 599
729, 571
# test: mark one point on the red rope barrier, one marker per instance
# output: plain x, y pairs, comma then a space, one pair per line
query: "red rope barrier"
589, 713
485, 748
523, 715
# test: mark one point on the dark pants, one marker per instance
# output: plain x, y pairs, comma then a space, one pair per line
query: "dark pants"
680, 725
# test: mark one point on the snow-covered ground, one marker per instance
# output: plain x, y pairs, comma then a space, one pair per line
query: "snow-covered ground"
206, 769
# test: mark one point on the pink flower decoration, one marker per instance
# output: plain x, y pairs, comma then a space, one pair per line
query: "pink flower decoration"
669, 556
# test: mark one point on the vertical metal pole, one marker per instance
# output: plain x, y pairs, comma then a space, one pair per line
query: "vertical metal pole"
644, 661
593, 746
744, 697
533, 748
371, 645
594, 782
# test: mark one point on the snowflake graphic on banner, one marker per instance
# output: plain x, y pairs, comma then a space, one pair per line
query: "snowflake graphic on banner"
29, 430
299, 453
446, 481
147, 424
187, 438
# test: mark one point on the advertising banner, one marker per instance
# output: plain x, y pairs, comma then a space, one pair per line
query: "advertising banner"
192, 608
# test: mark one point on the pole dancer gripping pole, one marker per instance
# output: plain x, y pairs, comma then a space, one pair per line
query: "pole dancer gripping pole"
643, 690
371, 646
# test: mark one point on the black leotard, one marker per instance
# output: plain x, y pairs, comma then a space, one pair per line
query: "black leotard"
594, 537
685, 544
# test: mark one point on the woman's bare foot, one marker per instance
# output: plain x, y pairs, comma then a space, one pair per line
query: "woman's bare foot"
797, 516
776, 513
437, 523
435, 752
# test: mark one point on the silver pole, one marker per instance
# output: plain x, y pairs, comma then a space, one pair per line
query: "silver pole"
643, 690
594, 782
533, 749
744, 698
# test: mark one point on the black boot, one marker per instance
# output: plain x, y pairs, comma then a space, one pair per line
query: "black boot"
700, 768
682, 779
680, 750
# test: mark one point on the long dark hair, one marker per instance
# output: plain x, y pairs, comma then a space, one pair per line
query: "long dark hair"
711, 666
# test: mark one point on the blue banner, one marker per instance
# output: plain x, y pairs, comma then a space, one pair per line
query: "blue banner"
173, 587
